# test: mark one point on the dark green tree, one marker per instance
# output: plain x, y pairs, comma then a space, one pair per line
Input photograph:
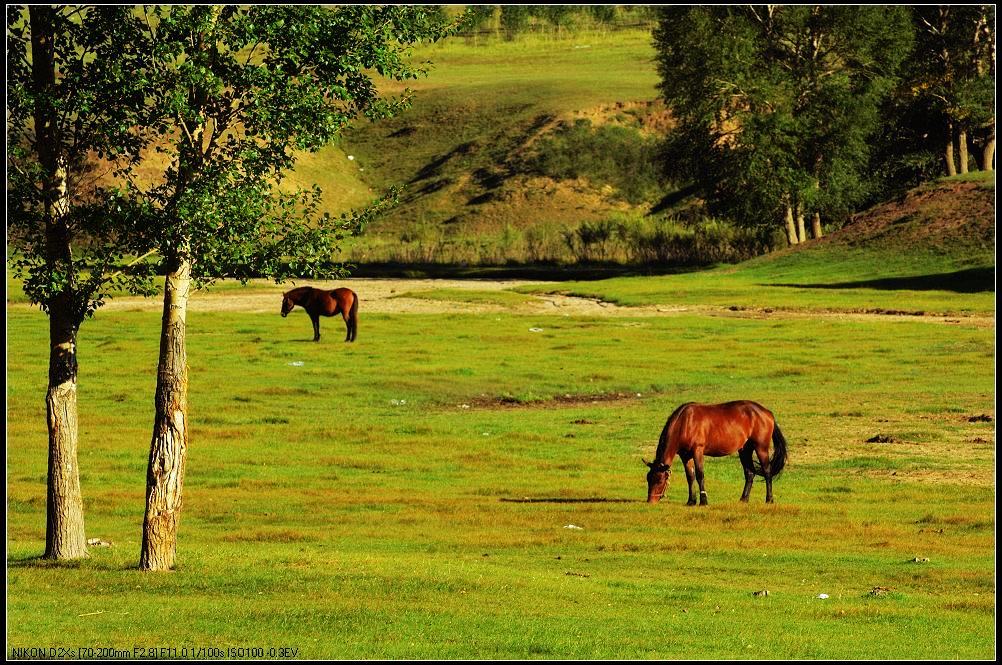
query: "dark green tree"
604, 15
240, 90
515, 19
72, 104
480, 17
776, 105
951, 80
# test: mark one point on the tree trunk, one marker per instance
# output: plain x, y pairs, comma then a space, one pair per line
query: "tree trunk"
962, 144
816, 225
791, 230
801, 230
988, 156
65, 537
951, 168
169, 446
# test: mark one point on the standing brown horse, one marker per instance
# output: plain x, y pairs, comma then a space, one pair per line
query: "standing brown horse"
318, 302
717, 430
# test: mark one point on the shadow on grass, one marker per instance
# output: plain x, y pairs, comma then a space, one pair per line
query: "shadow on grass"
39, 561
540, 271
561, 499
971, 280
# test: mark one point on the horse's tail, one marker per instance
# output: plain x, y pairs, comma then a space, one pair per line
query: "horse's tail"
778, 460
353, 315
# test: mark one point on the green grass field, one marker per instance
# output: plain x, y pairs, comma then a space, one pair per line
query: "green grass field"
348, 500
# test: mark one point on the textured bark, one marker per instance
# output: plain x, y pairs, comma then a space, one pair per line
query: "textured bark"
951, 167
988, 155
65, 537
816, 225
801, 229
962, 152
169, 446
791, 230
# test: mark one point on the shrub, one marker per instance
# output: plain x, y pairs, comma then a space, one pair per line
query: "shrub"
613, 155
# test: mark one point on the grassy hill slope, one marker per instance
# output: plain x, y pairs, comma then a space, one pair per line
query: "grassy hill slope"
457, 152
930, 251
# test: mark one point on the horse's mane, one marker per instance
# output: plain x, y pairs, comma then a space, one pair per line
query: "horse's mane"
663, 441
298, 290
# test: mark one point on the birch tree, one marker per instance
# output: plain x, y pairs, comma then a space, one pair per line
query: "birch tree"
72, 106
243, 88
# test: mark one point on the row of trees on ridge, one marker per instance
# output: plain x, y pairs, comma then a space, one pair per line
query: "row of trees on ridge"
795, 112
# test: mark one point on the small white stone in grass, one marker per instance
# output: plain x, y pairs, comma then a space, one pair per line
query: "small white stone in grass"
351, 157
297, 363
535, 330
822, 595
573, 526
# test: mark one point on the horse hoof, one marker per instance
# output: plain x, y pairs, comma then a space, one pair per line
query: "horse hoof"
704, 502
744, 499
691, 502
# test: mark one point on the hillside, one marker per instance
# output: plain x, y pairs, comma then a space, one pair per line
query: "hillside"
460, 151
944, 225
915, 254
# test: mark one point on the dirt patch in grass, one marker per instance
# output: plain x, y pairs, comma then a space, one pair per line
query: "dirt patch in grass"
384, 296
509, 402
561, 499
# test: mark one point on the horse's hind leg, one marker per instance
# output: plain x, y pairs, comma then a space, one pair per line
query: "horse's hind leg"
746, 463
316, 327
347, 325
763, 457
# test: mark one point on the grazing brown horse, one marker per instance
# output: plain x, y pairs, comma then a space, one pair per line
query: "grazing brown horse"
318, 302
695, 430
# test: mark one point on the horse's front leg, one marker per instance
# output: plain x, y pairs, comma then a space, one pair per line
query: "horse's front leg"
690, 476
316, 327
698, 458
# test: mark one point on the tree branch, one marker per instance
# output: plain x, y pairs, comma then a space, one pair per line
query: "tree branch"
108, 278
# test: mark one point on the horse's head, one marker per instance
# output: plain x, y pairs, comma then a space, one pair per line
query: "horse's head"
657, 480
287, 305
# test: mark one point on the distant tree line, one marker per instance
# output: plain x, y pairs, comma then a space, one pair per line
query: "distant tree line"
510, 21
794, 113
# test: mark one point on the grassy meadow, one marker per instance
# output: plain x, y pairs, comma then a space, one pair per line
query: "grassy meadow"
469, 485
355, 501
